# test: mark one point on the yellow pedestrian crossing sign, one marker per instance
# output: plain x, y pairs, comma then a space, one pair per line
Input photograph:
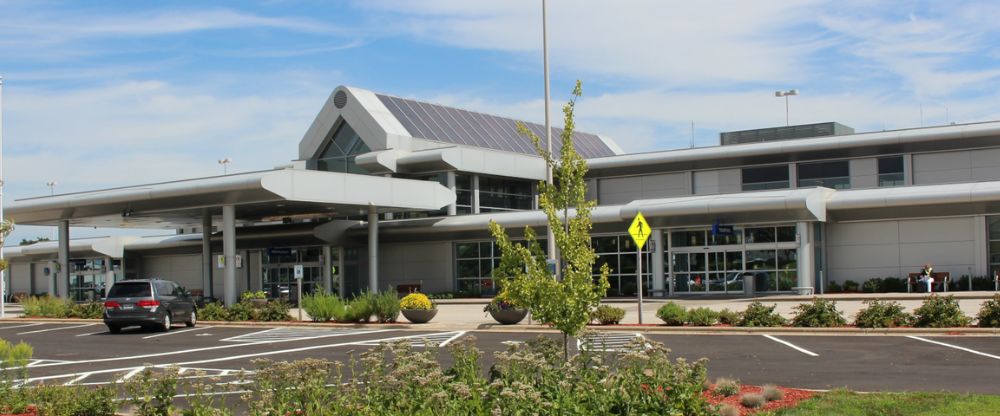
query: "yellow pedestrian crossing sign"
639, 230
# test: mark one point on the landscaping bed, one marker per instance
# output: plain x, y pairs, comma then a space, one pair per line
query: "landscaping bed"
791, 398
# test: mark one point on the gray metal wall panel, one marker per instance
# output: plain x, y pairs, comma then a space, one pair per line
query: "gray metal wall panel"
628, 189
710, 182
185, 269
19, 278
427, 264
860, 251
864, 173
945, 167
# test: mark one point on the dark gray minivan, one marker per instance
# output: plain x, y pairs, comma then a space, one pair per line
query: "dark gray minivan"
150, 303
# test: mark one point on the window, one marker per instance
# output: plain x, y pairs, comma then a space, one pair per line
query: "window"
890, 171
836, 174
619, 252
340, 151
782, 234
767, 177
463, 193
278, 264
474, 264
993, 225
497, 194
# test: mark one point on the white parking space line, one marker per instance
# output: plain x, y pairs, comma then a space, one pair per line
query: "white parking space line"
127, 375
793, 346
93, 333
188, 351
608, 342
176, 332
954, 346
284, 334
452, 334
55, 329
440, 339
21, 326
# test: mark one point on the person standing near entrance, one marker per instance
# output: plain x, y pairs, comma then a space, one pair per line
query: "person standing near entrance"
927, 276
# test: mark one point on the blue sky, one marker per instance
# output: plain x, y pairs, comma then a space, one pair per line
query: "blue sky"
101, 94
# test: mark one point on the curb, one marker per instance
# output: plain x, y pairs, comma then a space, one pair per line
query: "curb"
645, 328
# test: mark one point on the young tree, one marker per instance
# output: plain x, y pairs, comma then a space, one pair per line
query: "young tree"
523, 274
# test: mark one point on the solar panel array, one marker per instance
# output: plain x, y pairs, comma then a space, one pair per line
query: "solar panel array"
452, 125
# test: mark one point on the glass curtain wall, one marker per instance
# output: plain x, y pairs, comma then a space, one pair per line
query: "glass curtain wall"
993, 234
474, 263
619, 252
279, 270
501, 194
704, 262
340, 151
87, 279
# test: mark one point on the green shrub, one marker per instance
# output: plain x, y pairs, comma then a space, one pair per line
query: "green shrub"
729, 317
253, 295
361, 308
882, 314
989, 313
241, 311
939, 312
851, 286
273, 311
833, 287
87, 310
752, 400
818, 313
323, 307
386, 306
726, 387
893, 284
46, 307
757, 314
212, 311
672, 314
608, 315
702, 317
873, 285
772, 393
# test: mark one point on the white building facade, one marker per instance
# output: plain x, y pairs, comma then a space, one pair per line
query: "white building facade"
389, 192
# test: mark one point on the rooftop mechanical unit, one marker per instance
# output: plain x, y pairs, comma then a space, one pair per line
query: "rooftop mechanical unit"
801, 131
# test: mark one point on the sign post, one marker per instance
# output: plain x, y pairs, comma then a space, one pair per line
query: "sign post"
640, 232
299, 273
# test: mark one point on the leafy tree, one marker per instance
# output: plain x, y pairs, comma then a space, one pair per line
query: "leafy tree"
28, 242
565, 303
6, 226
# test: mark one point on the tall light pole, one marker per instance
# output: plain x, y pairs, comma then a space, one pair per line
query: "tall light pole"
786, 94
3, 276
550, 236
52, 187
225, 165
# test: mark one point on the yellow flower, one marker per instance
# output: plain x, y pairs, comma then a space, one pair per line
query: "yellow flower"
416, 301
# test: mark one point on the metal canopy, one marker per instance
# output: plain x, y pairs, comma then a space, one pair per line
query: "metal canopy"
258, 197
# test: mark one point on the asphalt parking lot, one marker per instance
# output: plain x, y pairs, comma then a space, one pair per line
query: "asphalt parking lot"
85, 353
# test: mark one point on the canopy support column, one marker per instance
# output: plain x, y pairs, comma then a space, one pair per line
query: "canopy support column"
62, 279
450, 183
229, 253
206, 253
372, 249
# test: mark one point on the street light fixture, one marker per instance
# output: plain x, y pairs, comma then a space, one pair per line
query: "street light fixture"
52, 187
786, 94
225, 165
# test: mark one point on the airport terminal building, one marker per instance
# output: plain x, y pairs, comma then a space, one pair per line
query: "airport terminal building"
393, 192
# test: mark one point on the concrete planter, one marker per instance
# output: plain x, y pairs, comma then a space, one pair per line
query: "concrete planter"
509, 316
419, 316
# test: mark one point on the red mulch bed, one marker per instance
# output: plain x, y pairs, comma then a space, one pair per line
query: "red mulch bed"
791, 399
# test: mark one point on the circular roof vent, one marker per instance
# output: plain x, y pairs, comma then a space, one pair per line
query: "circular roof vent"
340, 99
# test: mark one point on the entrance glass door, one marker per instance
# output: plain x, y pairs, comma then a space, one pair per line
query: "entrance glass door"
717, 271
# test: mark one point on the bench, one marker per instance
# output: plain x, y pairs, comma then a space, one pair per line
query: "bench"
406, 289
941, 281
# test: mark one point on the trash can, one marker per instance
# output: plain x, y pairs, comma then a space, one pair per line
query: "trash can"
748, 285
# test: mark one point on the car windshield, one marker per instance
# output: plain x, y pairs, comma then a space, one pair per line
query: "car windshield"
130, 290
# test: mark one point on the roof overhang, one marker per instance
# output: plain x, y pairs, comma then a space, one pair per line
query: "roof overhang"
112, 247
852, 145
258, 196
915, 201
457, 158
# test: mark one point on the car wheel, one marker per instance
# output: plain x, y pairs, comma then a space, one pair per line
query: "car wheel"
193, 320
166, 321
114, 329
